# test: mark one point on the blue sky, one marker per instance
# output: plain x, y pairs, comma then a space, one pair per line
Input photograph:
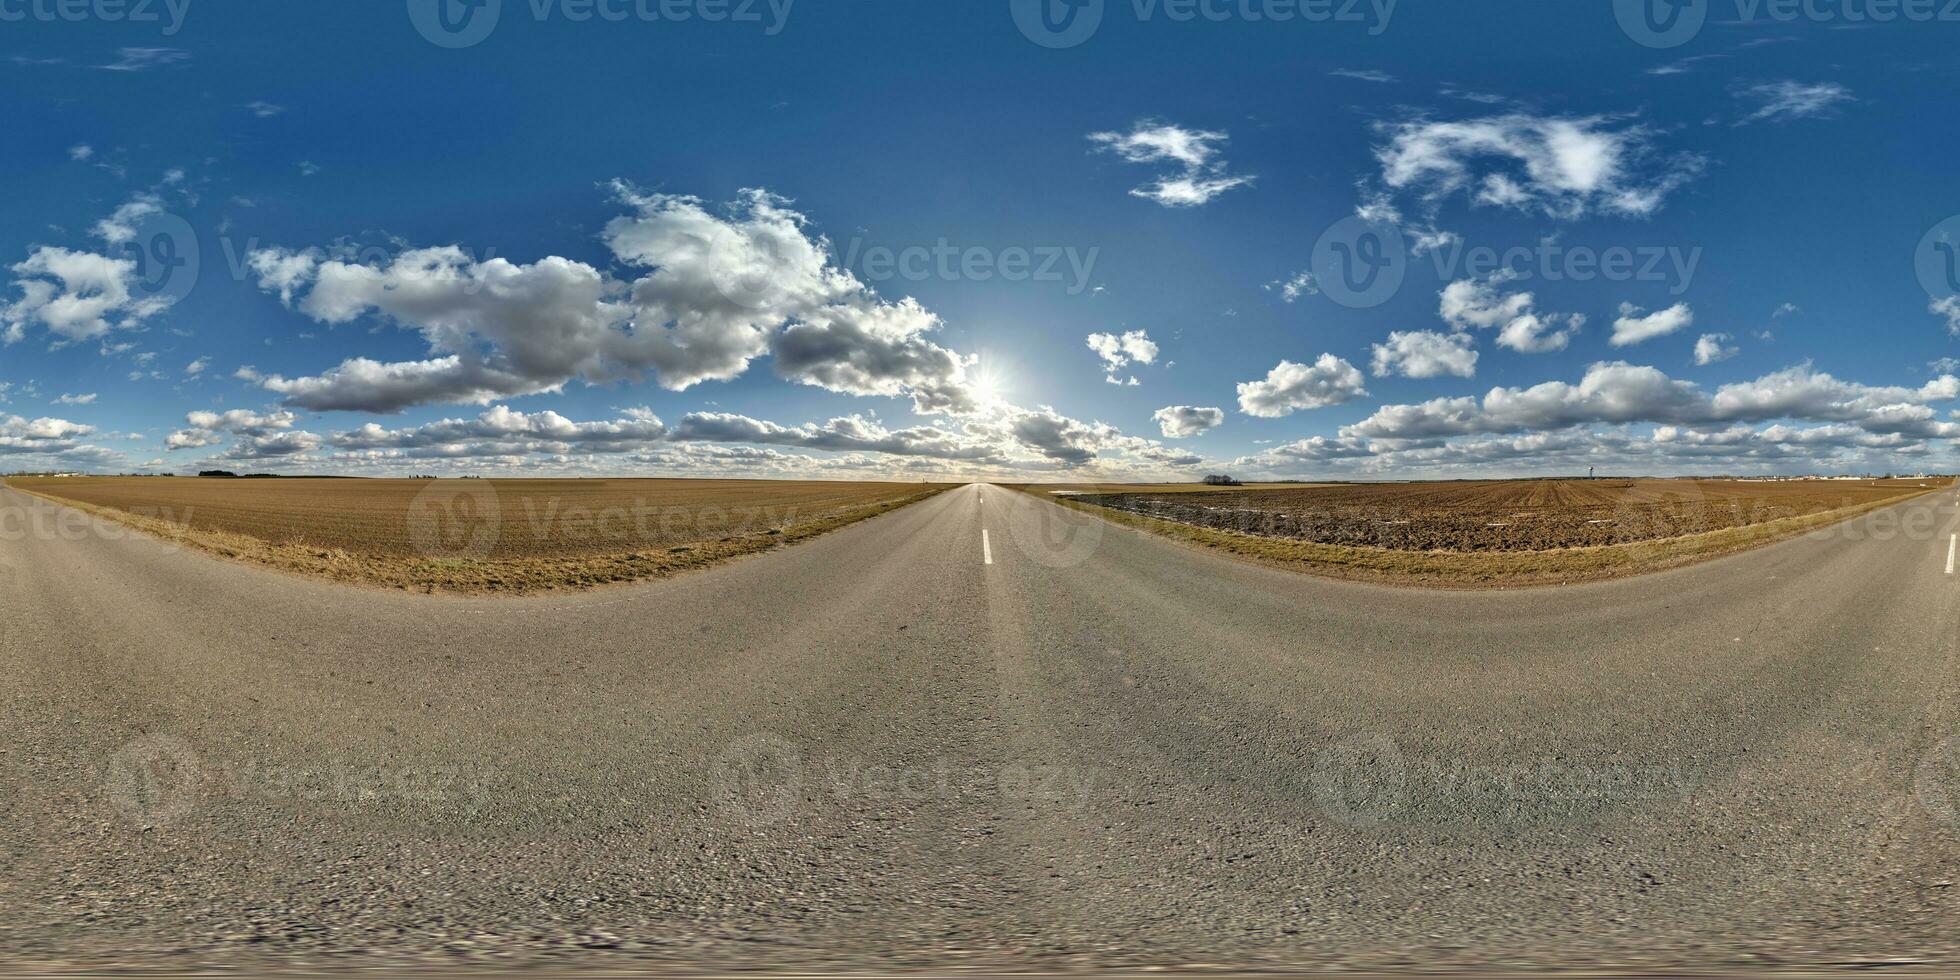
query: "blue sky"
923, 239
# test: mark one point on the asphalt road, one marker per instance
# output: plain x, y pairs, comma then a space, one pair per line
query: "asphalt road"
878, 750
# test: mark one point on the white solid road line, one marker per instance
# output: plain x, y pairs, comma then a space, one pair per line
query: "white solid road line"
1952, 543
987, 547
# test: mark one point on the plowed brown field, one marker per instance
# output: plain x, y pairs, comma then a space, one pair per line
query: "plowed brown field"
1517, 515
479, 535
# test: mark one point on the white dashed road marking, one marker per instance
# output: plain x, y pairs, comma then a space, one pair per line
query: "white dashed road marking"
986, 548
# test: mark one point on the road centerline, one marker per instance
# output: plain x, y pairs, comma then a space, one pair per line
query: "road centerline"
1952, 543
986, 548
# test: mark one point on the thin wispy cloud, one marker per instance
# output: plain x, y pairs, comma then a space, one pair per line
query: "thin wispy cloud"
1685, 65
1201, 175
1480, 98
1567, 168
1291, 289
1787, 101
145, 59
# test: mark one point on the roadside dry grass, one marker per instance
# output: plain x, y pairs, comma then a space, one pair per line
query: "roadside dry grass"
1485, 569
440, 537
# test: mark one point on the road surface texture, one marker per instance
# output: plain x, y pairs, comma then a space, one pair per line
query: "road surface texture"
982, 732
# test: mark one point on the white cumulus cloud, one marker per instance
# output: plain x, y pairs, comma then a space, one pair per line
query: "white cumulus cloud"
1481, 304
1636, 325
714, 293
1118, 350
1185, 421
1712, 347
76, 296
1292, 387
1425, 354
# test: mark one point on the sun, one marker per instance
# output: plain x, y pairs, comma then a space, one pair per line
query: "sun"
988, 387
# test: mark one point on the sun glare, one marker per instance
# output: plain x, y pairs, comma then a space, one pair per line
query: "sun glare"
989, 387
